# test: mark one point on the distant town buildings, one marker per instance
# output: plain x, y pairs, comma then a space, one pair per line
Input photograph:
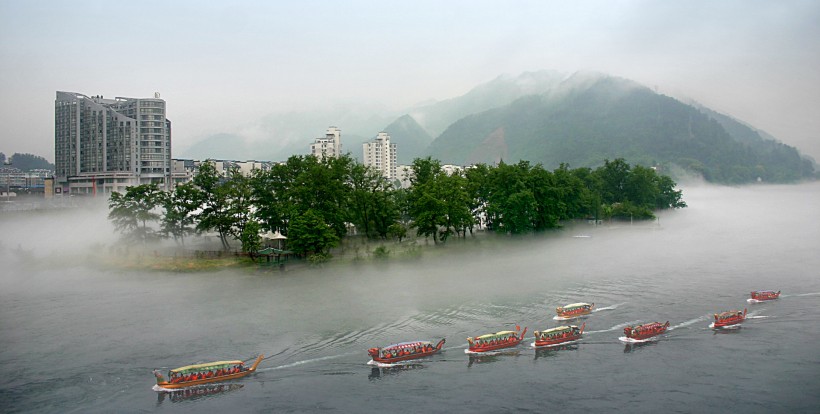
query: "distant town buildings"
380, 154
329, 146
104, 145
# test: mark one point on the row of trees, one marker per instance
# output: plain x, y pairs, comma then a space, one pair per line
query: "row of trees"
316, 202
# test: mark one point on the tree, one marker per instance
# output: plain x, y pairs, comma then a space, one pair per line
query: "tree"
131, 212
251, 243
309, 233
372, 205
426, 208
511, 207
179, 206
215, 213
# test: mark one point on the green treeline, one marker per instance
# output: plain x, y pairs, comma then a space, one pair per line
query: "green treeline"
27, 162
316, 202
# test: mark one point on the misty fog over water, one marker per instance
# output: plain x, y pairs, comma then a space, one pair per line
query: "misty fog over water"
82, 337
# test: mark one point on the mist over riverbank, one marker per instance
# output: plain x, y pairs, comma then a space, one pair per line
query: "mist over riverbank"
89, 336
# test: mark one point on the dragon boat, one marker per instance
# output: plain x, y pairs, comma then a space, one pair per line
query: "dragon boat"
763, 295
729, 318
496, 341
645, 331
574, 310
206, 373
404, 351
559, 335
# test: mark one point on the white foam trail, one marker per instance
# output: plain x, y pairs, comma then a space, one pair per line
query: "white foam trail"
689, 322
615, 306
563, 318
382, 364
496, 352
307, 361
757, 317
735, 326
804, 294
616, 327
636, 341
532, 344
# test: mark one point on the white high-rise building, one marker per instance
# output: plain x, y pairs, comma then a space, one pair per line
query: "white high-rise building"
381, 155
104, 145
329, 146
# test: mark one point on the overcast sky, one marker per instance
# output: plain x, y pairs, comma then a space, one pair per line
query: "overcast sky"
221, 66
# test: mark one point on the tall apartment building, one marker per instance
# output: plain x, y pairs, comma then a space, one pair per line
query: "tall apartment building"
329, 146
381, 155
104, 145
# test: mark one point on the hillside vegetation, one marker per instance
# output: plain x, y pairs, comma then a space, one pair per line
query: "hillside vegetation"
588, 119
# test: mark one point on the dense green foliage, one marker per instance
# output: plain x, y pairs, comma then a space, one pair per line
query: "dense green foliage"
28, 162
315, 203
611, 118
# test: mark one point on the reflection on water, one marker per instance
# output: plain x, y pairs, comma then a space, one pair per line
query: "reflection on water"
316, 323
197, 392
545, 352
489, 357
637, 346
377, 373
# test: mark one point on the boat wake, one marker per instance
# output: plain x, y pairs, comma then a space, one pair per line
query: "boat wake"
615, 328
615, 306
565, 318
385, 365
801, 294
750, 300
736, 326
689, 322
532, 344
757, 317
636, 341
497, 352
306, 361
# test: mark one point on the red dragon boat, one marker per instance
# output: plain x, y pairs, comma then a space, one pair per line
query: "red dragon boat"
206, 373
574, 310
763, 295
729, 318
496, 341
404, 351
645, 331
559, 335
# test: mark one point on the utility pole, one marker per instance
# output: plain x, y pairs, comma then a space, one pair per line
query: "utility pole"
7, 163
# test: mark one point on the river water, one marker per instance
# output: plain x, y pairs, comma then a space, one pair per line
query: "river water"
75, 338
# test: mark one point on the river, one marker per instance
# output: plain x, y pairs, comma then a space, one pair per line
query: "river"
76, 338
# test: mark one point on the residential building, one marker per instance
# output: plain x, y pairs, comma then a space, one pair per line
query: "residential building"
329, 146
381, 155
104, 145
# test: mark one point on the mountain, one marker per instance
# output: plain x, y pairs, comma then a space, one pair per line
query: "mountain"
410, 139
277, 136
590, 117
436, 117
27, 162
